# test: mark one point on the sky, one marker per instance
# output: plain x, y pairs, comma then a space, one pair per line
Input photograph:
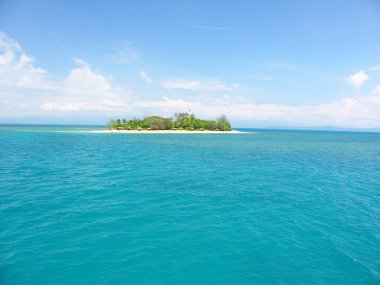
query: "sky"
262, 63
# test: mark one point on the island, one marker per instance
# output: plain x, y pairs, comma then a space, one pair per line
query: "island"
181, 122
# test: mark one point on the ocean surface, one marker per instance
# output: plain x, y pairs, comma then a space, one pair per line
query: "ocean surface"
266, 207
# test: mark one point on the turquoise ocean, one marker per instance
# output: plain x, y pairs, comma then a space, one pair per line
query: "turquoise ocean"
264, 207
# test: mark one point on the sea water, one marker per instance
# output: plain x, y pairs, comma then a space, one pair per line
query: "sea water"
264, 207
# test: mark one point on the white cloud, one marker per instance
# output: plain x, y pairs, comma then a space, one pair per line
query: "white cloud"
358, 79
376, 91
203, 85
348, 112
17, 68
81, 106
85, 91
84, 79
374, 68
125, 52
26, 91
145, 77
214, 28
80, 61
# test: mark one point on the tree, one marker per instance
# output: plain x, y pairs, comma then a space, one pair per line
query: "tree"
158, 123
181, 120
118, 123
200, 124
223, 124
167, 123
135, 124
210, 125
153, 122
124, 124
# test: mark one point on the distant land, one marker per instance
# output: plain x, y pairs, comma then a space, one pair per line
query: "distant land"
182, 121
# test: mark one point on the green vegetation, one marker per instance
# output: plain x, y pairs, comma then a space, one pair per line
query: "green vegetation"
181, 121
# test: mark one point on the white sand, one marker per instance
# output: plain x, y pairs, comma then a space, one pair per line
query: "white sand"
163, 132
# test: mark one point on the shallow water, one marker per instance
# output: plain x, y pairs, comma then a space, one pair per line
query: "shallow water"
270, 207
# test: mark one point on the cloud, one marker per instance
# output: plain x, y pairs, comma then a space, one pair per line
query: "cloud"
203, 85
358, 79
84, 79
86, 90
80, 61
103, 106
374, 68
144, 76
348, 112
17, 68
25, 90
89, 92
208, 28
125, 53
376, 91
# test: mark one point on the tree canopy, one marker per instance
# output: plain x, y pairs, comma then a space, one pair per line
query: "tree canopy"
181, 121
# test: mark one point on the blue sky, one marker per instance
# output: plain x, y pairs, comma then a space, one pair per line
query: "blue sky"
262, 63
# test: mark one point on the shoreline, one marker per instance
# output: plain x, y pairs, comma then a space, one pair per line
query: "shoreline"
163, 132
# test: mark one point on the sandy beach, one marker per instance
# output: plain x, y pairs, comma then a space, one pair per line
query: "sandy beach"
163, 132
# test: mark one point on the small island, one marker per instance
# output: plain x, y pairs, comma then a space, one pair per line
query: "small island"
181, 122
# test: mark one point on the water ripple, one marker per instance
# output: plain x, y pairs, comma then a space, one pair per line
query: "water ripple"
281, 208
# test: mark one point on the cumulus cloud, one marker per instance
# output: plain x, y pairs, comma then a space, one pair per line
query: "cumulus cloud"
87, 91
360, 112
145, 77
202, 85
17, 68
84, 79
357, 79
25, 89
